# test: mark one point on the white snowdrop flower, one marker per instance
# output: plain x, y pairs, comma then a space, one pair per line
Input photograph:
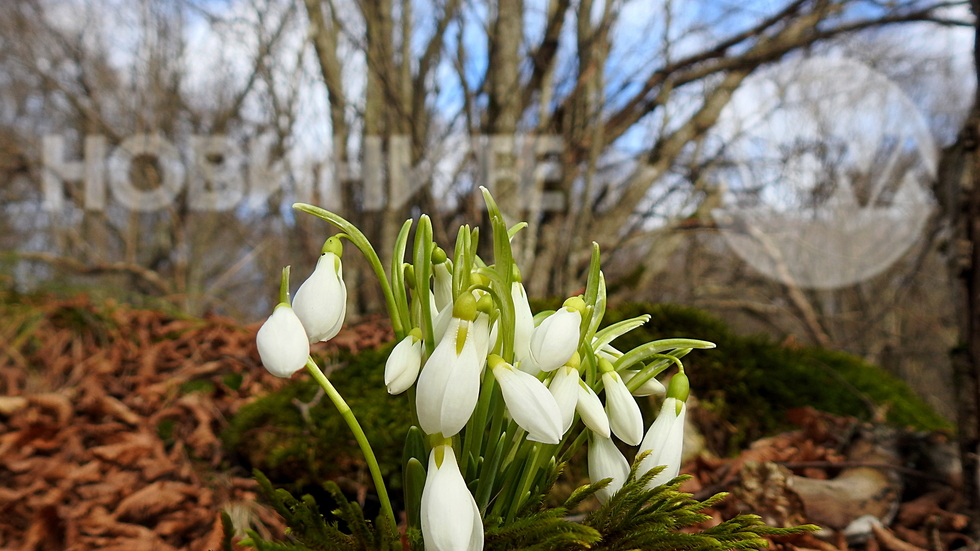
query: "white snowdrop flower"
556, 339
665, 442
321, 301
606, 461
451, 520
564, 388
531, 406
282, 342
652, 387
665, 438
449, 385
625, 419
589, 407
404, 362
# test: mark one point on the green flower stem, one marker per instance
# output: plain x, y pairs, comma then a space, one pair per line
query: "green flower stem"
574, 446
489, 471
475, 432
527, 478
671, 358
362, 441
515, 455
422, 259
284, 286
505, 305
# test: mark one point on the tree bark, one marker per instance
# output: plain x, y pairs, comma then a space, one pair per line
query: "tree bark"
958, 192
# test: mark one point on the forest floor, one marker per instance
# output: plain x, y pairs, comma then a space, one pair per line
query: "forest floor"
110, 416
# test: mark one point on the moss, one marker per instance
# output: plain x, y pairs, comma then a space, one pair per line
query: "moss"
271, 434
751, 381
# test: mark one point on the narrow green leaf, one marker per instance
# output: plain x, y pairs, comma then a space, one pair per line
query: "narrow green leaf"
651, 349
398, 278
414, 483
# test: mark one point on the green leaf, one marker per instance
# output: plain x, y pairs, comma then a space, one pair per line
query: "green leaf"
398, 279
651, 349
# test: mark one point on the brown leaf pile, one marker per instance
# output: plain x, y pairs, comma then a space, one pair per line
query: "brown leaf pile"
816, 475
104, 444
109, 419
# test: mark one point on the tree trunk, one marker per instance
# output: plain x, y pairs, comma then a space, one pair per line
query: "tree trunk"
958, 191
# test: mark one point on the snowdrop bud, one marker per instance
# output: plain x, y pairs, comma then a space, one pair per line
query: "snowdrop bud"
606, 461
450, 518
404, 362
449, 385
556, 339
531, 406
665, 441
321, 301
625, 418
590, 408
443, 279
564, 388
652, 387
282, 342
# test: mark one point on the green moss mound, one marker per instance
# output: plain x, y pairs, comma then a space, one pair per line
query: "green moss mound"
272, 435
751, 382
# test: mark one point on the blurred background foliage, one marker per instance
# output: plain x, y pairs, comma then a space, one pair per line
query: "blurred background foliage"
311, 101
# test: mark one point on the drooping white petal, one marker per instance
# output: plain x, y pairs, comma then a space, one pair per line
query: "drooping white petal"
665, 442
450, 518
652, 387
625, 419
494, 334
606, 461
441, 323
402, 367
530, 404
564, 387
523, 322
321, 301
282, 342
590, 408
481, 334
449, 385
442, 286
555, 340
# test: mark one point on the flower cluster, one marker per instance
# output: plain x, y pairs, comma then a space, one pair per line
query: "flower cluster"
497, 390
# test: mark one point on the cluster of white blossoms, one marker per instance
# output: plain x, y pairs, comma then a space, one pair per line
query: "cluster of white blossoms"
545, 372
